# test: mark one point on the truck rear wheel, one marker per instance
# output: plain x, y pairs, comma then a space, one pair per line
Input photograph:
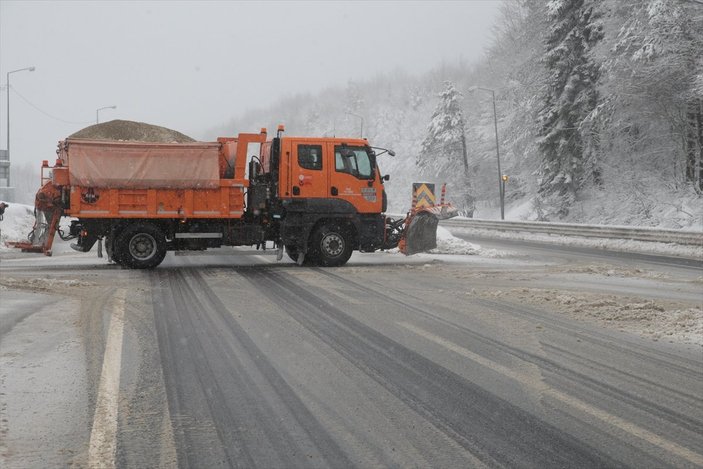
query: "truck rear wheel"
331, 245
140, 246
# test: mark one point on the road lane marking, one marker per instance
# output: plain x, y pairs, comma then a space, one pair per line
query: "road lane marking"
169, 455
571, 401
103, 436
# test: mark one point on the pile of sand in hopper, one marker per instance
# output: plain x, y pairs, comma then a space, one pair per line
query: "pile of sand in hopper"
131, 131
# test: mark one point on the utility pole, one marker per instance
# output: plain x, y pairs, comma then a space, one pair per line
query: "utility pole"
500, 175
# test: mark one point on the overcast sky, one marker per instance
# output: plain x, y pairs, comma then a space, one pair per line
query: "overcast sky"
190, 66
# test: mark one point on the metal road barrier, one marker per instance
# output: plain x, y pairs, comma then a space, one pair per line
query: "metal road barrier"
685, 237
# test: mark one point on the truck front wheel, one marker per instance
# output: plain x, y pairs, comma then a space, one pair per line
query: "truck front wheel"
141, 246
331, 245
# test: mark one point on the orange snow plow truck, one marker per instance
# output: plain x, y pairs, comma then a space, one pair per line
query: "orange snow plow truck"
318, 199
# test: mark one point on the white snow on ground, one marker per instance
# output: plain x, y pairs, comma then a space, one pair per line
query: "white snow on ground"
447, 243
626, 245
657, 319
520, 210
17, 222
42, 284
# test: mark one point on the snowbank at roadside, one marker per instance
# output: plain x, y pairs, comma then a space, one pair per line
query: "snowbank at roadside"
657, 319
626, 245
447, 243
16, 224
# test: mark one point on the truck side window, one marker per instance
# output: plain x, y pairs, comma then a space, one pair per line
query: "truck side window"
353, 160
310, 156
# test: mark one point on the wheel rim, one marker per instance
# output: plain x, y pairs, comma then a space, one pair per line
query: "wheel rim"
142, 246
333, 244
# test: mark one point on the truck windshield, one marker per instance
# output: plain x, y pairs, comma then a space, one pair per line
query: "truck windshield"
353, 160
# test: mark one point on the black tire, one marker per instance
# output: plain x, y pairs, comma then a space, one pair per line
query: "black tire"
141, 246
331, 245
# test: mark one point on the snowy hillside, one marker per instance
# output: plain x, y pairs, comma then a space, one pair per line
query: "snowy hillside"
599, 111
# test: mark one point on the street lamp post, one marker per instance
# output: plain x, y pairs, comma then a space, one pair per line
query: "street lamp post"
31, 69
361, 132
500, 175
97, 112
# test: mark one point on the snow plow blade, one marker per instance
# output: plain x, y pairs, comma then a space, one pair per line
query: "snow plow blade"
421, 228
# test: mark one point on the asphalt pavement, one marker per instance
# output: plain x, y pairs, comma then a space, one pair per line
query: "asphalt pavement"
239, 361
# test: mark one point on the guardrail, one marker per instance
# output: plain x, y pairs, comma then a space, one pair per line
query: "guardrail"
685, 237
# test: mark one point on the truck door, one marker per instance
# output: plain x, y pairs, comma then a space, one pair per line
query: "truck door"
307, 176
354, 178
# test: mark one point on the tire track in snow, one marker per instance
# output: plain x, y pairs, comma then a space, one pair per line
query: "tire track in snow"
219, 383
496, 432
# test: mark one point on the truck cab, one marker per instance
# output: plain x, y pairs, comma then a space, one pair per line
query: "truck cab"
330, 195
340, 171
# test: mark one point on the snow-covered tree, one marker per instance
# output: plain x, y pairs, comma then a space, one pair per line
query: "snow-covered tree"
516, 64
441, 151
354, 99
443, 154
568, 150
653, 92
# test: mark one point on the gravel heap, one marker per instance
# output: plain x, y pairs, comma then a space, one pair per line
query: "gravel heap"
131, 131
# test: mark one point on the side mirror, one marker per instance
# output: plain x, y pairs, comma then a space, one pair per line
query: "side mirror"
387, 177
392, 153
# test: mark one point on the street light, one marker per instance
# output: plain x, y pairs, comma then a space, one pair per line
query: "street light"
495, 123
97, 112
361, 132
31, 69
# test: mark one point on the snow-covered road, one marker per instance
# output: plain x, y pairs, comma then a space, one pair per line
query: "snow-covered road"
478, 354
